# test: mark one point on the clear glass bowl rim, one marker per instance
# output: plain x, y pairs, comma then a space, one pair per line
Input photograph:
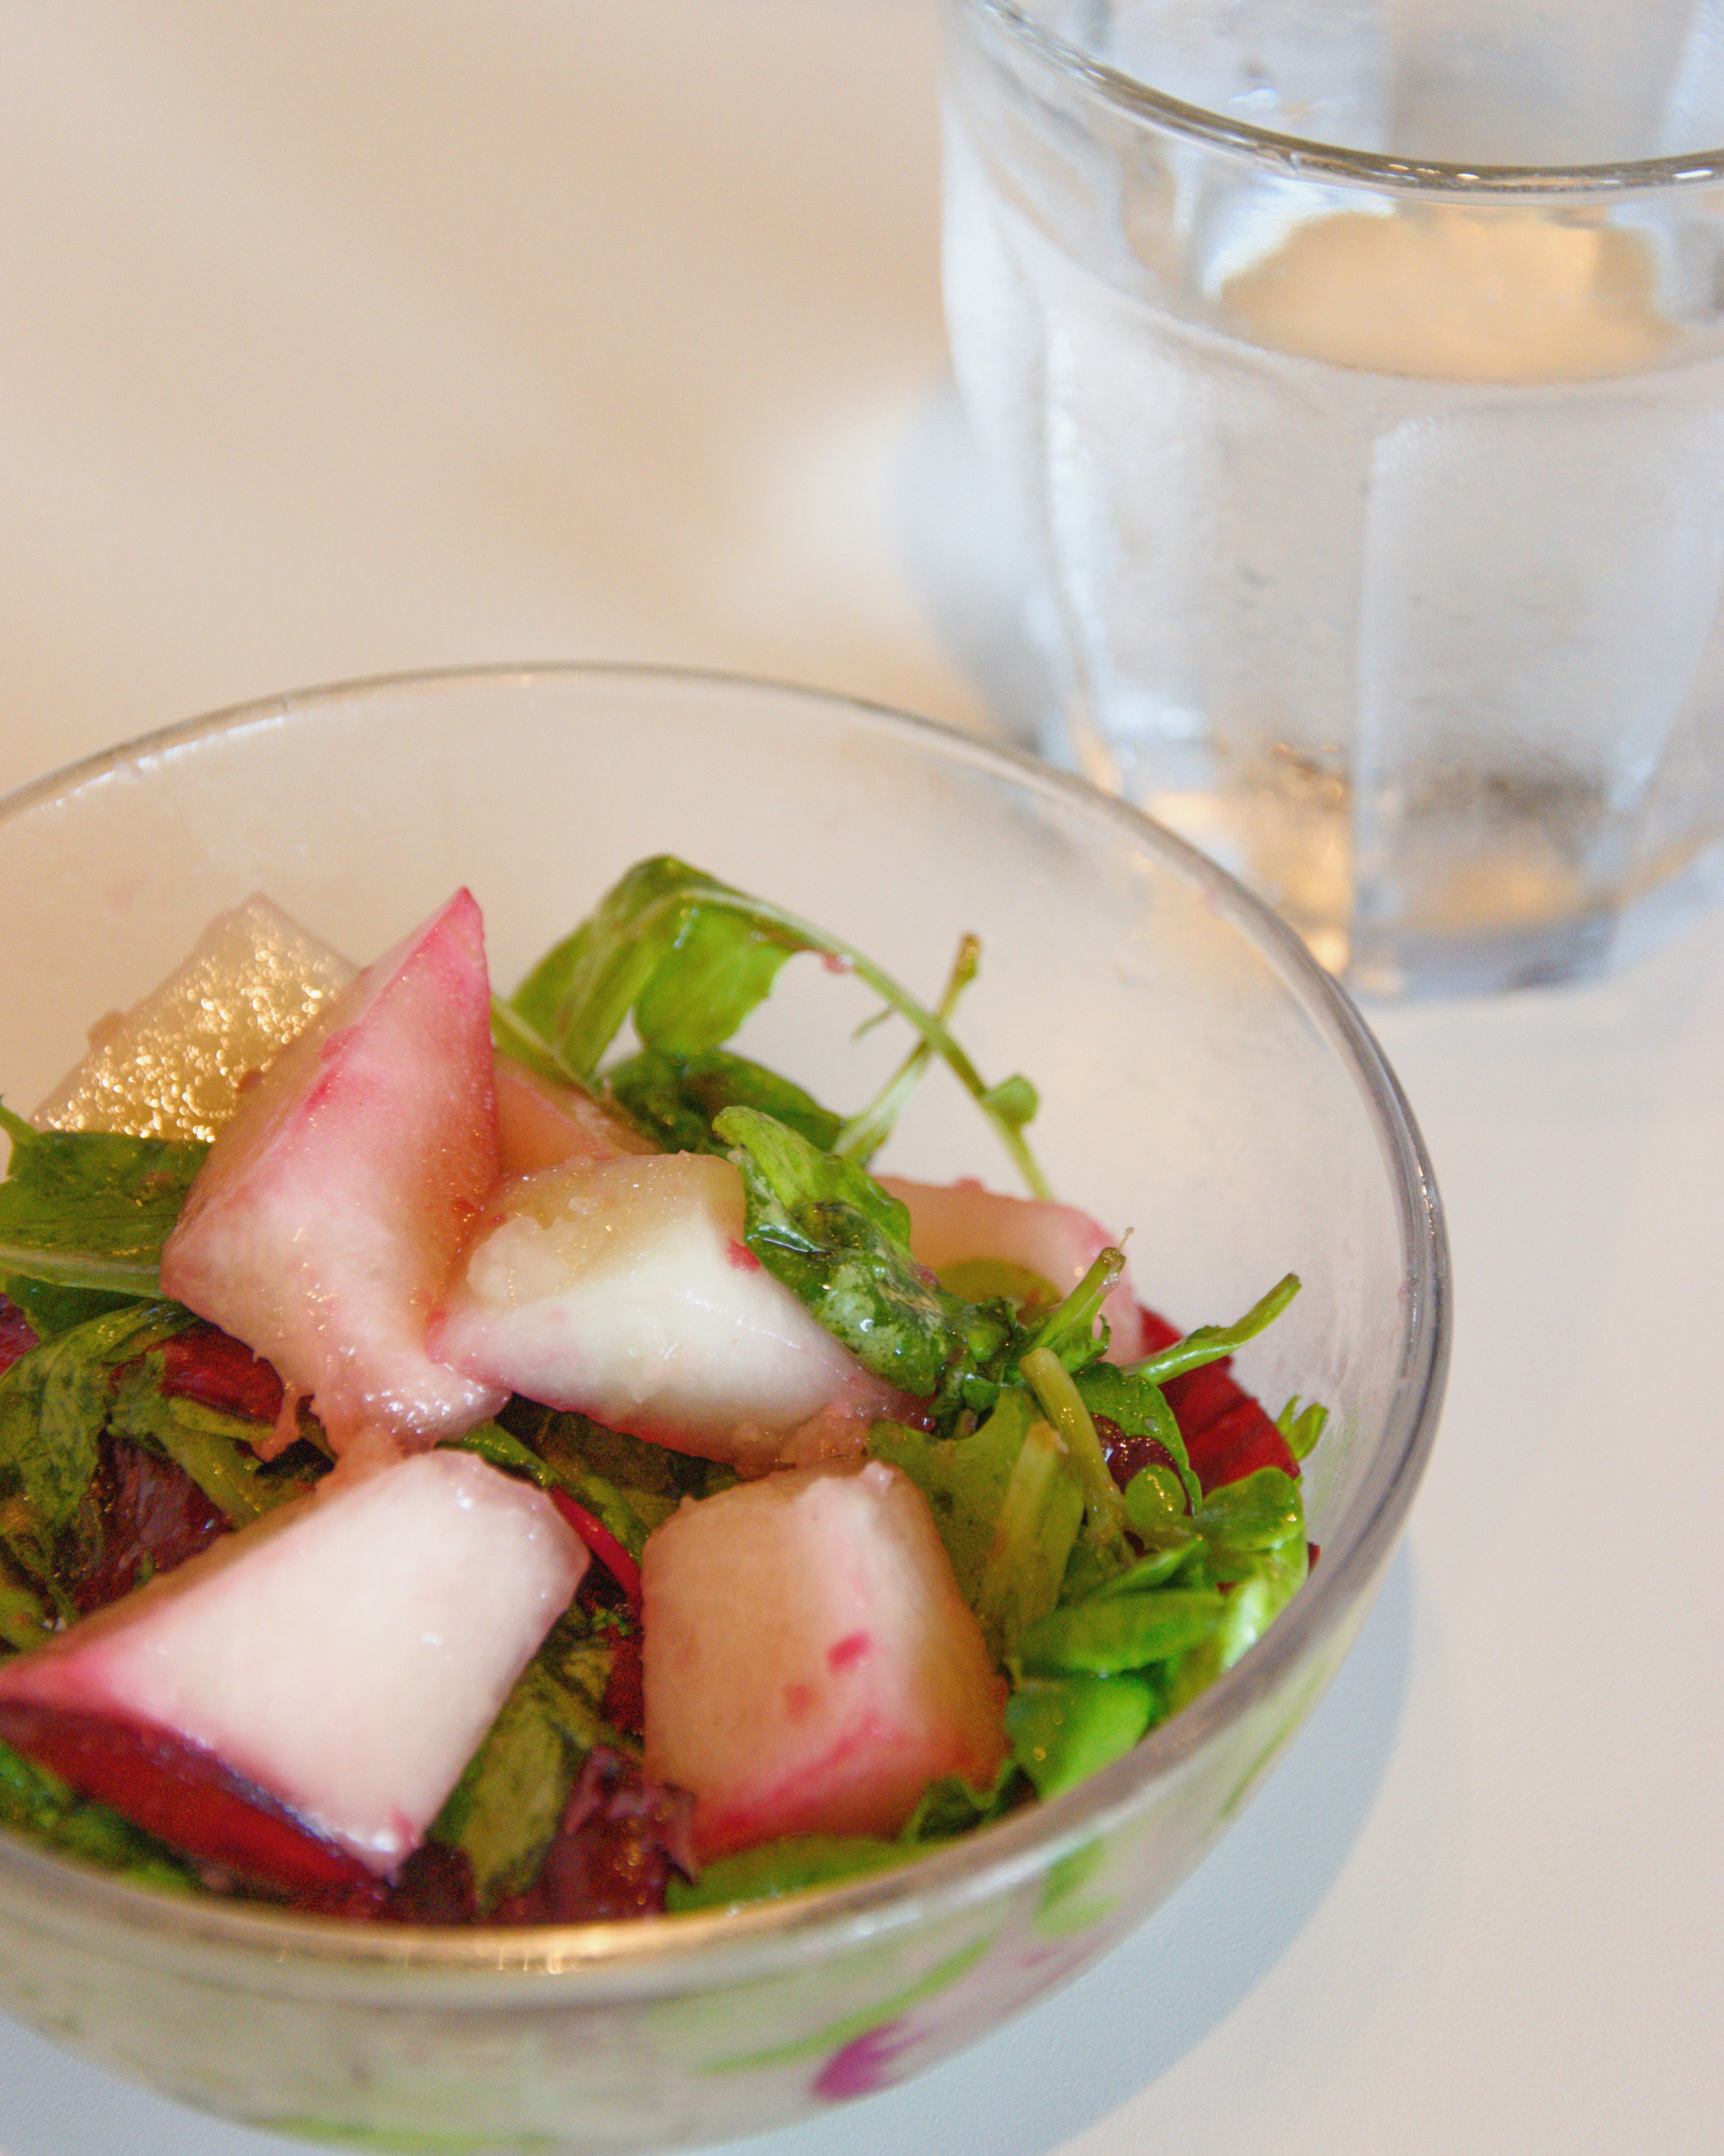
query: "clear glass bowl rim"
1300, 157
650, 1956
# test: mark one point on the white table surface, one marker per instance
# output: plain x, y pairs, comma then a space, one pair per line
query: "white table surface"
337, 338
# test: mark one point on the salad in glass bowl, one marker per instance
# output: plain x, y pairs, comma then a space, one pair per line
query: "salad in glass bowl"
456, 1471
1202, 1085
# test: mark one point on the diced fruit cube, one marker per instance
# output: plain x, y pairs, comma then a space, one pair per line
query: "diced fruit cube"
172, 1066
322, 1229
952, 1222
624, 1289
541, 1124
344, 1657
810, 1665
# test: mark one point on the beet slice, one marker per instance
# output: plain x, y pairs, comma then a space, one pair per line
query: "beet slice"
152, 1517
211, 1367
620, 1839
16, 1337
184, 1795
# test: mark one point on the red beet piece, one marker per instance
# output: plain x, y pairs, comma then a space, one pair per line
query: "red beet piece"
433, 1886
183, 1795
620, 1839
16, 1337
211, 1367
153, 1517
624, 1702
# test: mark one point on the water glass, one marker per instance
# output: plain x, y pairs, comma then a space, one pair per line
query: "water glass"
1355, 370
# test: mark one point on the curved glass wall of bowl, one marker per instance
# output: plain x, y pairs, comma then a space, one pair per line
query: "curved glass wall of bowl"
1355, 369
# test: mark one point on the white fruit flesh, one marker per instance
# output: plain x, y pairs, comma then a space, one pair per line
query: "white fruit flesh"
541, 1124
810, 1665
951, 1222
624, 1289
346, 1655
172, 1066
322, 1229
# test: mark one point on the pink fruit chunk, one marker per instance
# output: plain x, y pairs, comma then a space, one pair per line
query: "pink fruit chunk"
623, 1289
810, 1665
541, 1124
343, 1658
324, 1225
951, 1222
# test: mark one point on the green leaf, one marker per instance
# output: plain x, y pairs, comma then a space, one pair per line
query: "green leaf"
827, 1231
674, 1098
50, 1311
1302, 1427
1007, 1504
91, 1209
774, 1869
214, 1448
1063, 1732
690, 957
53, 1404
952, 1806
25, 1620
1107, 1634
505, 1811
1137, 1406
866, 1132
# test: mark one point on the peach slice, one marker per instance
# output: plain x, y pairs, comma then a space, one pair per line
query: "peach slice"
624, 1289
324, 1225
343, 1658
810, 1665
541, 1124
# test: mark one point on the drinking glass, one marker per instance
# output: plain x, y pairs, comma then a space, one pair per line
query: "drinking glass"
1355, 368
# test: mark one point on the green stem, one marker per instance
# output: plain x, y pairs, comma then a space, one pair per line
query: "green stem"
1050, 1381
1209, 1343
864, 1135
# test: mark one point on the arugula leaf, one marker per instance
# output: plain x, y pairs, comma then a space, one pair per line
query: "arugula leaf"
53, 1405
827, 1231
865, 1132
24, 1620
639, 1494
1064, 1732
690, 957
505, 1811
1137, 1403
214, 1448
674, 1098
1007, 1504
90, 1209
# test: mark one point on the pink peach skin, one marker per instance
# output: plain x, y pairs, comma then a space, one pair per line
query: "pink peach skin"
324, 1225
809, 1664
344, 1655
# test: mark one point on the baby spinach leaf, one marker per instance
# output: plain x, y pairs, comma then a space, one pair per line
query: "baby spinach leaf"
503, 1813
89, 1208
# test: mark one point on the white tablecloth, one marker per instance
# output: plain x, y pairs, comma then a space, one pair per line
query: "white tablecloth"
337, 339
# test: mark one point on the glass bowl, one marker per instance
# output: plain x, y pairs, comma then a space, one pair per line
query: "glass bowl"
1203, 1082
